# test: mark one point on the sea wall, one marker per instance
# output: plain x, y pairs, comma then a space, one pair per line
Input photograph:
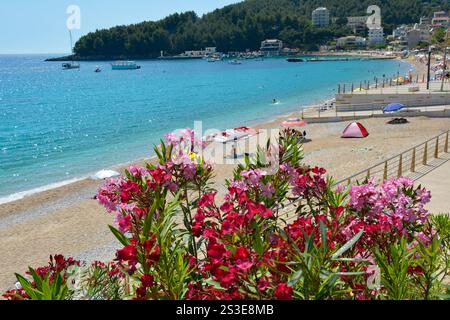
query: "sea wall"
367, 102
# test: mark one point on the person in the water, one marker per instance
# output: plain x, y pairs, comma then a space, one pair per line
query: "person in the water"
275, 101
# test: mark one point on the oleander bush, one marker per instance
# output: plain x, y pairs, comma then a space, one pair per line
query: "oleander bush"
288, 235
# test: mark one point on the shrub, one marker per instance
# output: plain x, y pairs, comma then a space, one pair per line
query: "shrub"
288, 235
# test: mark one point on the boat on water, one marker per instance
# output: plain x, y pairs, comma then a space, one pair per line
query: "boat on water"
70, 65
295, 60
235, 62
125, 65
98, 69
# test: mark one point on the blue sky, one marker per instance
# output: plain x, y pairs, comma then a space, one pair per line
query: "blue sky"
40, 26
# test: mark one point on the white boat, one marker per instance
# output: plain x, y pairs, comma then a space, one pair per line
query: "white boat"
70, 65
236, 62
125, 65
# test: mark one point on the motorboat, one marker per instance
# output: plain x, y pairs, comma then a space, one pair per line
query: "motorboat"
70, 65
235, 62
98, 69
125, 65
295, 60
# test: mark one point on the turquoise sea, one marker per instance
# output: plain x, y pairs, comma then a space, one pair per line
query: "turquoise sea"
57, 125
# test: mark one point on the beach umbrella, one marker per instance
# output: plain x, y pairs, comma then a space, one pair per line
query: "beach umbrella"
393, 107
294, 122
359, 90
105, 174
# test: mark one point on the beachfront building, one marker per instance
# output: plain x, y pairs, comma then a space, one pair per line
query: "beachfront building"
200, 53
375, 37
350, 42
400, 33
418, 33
271, 47
413, 38
321, 17
425, 21
440, 19
357, 24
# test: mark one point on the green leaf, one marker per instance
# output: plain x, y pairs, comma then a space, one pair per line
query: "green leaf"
323, 234
348, 245
122, 239
37, 279
295, 278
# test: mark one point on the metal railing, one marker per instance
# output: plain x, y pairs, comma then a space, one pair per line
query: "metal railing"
405, 162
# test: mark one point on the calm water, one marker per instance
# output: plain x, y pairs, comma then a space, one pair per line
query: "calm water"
59, 125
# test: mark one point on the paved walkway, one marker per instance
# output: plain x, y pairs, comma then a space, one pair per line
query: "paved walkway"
436, 178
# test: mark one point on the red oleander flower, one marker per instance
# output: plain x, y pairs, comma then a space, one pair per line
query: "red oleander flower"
284, 292
241, 254
227, 207
128, 253
207, 200
147, 281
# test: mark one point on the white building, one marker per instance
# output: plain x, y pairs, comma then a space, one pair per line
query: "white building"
350, 41
375, 37
440, 19
425, 21
357, 23
321, 17
400, 33
271, 47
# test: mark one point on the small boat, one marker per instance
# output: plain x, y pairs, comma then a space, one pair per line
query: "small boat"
125, 65
98, 69
295, 60
70, 65
235, 61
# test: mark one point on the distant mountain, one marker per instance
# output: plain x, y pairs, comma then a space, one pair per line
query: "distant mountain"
243, 26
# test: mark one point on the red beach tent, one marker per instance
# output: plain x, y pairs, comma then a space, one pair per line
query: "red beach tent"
355, 130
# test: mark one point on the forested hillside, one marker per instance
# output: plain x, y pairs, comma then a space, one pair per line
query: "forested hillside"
244, 25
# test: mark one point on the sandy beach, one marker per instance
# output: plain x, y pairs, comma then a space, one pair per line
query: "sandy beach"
67, 220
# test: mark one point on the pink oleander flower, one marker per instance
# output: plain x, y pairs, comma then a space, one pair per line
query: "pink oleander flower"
109, 195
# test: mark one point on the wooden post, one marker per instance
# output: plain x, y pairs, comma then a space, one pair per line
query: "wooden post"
385, 174
344, 88
425, 154
400, 167
303, 114
376, 83
413, 161
446, 144
353, 87
436, 149
339, 88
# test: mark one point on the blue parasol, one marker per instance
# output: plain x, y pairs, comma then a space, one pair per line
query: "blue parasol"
393, 107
